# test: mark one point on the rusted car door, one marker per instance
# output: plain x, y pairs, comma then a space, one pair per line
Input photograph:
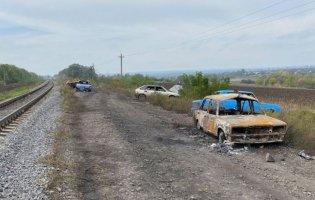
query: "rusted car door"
209, 120
202, 111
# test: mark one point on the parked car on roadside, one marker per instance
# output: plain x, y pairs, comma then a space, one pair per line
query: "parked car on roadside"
239, 122
147, 90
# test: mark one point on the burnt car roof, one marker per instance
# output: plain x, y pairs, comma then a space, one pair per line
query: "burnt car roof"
221, 97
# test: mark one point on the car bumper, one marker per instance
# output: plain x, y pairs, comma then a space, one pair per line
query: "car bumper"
257, 138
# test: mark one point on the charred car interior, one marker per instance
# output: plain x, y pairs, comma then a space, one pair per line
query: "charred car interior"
238, 118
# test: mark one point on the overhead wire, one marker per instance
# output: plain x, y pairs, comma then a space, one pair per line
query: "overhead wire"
229, 30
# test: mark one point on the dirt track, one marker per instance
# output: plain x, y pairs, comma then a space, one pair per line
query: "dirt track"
127, 149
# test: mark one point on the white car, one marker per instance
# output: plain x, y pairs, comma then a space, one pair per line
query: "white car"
147, 90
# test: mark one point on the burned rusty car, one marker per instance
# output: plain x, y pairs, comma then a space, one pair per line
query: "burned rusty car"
238, 118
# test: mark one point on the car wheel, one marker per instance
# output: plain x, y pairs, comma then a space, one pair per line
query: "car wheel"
221, 136
142, 97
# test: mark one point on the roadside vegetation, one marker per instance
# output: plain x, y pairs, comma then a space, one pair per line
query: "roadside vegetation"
7, 94
11, 76
16, 81
301, 128
194, 87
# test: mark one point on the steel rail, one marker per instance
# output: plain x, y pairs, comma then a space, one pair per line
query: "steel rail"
14, 99
18, 112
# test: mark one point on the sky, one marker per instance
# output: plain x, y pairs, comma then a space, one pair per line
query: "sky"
45, 36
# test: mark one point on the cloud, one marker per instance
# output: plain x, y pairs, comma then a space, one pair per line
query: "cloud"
46, 36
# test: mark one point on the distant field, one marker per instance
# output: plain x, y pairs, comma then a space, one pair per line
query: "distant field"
305, 97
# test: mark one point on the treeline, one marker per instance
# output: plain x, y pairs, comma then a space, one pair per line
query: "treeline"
288, 79
10, 74
78, 71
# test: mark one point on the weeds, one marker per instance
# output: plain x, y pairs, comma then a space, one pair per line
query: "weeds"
301, 128
179, 105
63, 174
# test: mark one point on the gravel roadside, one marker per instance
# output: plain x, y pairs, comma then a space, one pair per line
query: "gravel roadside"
21, 174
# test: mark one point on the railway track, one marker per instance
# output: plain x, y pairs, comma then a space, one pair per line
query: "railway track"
13, 108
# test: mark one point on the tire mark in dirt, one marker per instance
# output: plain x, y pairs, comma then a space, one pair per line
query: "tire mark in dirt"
85, 172
173, 166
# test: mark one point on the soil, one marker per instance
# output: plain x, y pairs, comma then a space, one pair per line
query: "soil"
126, 149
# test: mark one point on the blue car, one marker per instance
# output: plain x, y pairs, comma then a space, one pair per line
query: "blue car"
83, 86
272, 107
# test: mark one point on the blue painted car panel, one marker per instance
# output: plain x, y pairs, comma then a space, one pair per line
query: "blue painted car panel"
230, 104
83, 86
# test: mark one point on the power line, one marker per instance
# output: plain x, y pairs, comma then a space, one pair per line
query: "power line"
223, 25
258, 20
239, 18
229, 30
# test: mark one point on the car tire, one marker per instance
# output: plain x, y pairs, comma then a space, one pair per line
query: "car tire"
221, 136
142, 97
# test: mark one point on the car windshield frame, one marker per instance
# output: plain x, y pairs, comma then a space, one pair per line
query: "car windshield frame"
253, 106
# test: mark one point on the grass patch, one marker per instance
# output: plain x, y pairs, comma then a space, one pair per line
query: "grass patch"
15, 92
301, 129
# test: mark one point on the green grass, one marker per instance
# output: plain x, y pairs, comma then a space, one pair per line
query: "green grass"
15, 92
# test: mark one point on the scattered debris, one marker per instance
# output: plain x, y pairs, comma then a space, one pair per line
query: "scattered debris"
227, 147
304, 155
269, 158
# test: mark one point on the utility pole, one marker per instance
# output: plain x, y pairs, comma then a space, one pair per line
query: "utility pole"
4, 83
121, 64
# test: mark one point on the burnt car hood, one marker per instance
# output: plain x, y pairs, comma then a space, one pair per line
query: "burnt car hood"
251, 120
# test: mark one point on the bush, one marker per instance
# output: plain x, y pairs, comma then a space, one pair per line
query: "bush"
199, 86
78, 71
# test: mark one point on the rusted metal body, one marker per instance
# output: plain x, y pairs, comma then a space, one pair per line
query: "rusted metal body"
72, 83
240, 125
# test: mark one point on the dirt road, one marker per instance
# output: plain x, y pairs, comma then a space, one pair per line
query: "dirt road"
127, 149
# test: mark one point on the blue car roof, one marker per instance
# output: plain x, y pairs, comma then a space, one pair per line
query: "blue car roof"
232, 91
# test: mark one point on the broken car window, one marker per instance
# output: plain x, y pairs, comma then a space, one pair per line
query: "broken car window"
160, 89
150, 87
239, 107
205, 104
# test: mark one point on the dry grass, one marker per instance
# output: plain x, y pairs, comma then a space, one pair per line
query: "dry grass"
301, 128
179, 105
63, 175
